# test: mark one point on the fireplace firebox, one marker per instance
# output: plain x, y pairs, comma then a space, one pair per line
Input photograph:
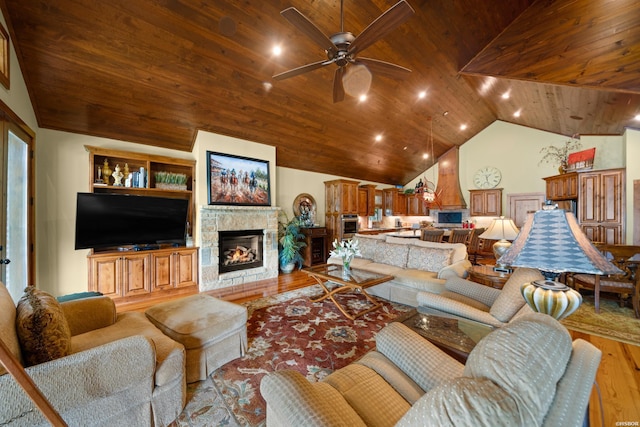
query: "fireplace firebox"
240, 250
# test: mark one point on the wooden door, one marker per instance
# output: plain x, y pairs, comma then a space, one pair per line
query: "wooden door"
105, 275
135, 274
521, 204
589, 206
185, 266
161, 270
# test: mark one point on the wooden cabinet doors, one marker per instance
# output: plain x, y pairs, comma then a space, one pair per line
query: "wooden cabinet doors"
485, 202
601, 205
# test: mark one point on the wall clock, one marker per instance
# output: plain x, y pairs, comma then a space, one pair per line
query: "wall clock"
487, 177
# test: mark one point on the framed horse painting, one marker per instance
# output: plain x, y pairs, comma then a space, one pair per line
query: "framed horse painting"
236, 180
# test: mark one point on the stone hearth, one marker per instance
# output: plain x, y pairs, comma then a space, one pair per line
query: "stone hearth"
229, 218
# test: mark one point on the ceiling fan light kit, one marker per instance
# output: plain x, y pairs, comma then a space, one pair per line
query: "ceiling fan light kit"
342, 47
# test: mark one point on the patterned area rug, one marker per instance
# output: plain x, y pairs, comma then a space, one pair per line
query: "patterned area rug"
613, 322
286, 331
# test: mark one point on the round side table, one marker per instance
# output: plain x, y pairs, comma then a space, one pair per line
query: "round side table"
485, 275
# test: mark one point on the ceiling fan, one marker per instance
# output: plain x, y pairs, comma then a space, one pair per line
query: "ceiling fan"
341, 48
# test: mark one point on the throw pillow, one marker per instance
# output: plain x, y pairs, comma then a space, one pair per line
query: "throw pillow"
367, 247
42, 328
429, 259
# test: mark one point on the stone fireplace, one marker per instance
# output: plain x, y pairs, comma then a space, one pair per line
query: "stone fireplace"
257, 230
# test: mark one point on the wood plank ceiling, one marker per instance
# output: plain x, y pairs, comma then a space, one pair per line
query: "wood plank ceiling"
156, 71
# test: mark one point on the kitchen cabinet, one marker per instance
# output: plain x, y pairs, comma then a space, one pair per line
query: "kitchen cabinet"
562, 187
341, 198
485, 202
127, 277
601, 205
416, 205
395, 202
366, 200
316, 250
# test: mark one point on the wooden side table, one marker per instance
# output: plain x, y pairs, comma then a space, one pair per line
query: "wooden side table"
485, 275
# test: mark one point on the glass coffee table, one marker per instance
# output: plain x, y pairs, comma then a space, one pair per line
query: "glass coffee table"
456, 336
334, 280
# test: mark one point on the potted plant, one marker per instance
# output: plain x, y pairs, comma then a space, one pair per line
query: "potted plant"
290, 241
558, 155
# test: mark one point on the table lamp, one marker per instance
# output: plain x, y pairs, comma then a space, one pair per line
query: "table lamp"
501, 229
552, 241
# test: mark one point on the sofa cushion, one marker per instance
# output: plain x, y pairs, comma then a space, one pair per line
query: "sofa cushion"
42, 328
392, 254
459, 249
465, 402
428, 259
367, 246
8, 324
526, 359
510, 299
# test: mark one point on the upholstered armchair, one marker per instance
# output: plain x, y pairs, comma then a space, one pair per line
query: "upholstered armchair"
481, 303
528, 373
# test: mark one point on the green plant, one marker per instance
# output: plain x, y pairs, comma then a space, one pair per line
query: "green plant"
290, 241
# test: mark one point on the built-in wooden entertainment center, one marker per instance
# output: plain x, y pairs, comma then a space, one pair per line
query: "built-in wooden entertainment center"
128, 276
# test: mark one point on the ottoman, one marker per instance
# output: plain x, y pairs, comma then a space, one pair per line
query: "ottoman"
212, 331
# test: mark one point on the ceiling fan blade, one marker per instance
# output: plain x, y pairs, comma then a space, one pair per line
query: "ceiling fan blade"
300, 70
383, 25
338, 88
303, 24
385, 69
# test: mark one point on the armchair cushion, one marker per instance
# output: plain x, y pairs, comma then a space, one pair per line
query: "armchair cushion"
510, 299
464, 402
472, 290
526, 361
42, 328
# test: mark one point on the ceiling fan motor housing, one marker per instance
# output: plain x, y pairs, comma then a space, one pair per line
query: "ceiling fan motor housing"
342, 41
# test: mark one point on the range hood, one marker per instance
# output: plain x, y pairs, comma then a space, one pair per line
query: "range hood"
449, 182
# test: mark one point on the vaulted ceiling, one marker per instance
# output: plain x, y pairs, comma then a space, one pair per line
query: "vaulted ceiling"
157, 71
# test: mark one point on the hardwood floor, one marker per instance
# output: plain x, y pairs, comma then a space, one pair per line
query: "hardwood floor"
618, 376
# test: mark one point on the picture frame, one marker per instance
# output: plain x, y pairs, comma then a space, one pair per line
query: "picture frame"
237, 180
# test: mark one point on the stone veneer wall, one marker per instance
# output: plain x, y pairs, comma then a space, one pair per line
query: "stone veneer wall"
226, 218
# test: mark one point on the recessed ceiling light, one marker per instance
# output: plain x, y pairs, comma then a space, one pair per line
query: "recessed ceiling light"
463, 127
506, 95
378, 137
267, 86
405, 147
637, 117
277, 50
422, 94
363, 97
517, 113
425, 156
446, 113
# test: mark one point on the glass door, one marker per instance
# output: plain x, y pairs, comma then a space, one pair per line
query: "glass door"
16, 255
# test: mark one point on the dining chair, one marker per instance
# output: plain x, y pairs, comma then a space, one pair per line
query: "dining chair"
460, 235
473, 245
432, 235
627, 259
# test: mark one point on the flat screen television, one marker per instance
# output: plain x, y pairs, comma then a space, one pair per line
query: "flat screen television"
119, 220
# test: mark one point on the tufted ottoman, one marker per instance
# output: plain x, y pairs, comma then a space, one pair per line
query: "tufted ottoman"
212, 331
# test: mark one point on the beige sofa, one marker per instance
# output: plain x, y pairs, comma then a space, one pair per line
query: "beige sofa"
417, 266
527, 373
121, 370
